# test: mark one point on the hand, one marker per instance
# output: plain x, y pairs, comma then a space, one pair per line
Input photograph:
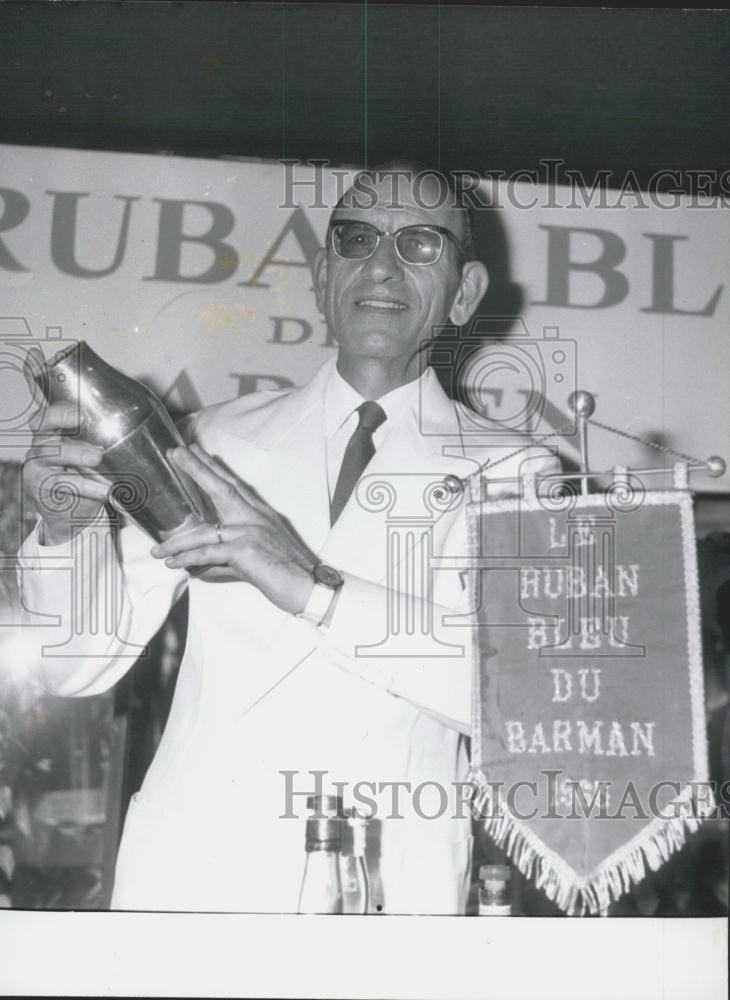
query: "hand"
256, 545
57, 474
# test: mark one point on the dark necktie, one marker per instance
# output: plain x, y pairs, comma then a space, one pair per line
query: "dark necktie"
360, 449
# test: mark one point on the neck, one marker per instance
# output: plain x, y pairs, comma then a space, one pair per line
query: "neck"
374, 377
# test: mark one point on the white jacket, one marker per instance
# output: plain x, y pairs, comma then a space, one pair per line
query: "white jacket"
262, 692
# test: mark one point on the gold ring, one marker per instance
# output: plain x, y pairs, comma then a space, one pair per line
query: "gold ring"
218, 532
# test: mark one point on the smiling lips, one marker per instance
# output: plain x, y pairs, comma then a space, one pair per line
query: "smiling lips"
392, 304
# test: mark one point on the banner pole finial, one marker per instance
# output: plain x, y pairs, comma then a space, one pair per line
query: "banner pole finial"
582, 404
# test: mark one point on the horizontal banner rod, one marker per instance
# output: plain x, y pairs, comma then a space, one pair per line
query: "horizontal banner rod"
610, 474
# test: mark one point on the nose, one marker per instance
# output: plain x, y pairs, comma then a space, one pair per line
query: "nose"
384, 264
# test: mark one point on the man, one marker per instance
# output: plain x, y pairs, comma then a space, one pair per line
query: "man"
289, 683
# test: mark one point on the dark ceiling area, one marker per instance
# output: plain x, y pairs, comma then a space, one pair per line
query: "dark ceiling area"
467, 87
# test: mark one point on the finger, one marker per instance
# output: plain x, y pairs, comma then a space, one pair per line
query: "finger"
91, 476
214, 465
215, 485
204, 534
215, 555
56, 416
61, 451
69, 484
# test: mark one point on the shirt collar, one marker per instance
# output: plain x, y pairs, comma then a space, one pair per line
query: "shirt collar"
341, 400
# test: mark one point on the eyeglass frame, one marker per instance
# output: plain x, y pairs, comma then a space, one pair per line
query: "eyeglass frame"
441, 230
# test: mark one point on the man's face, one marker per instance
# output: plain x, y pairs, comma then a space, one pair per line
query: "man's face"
382, 307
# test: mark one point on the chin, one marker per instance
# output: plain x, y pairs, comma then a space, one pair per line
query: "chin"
385, 334
377, 344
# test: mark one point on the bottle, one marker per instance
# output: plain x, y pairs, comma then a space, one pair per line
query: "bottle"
322, 806
321, 890
494, 891
353, 869
127, 420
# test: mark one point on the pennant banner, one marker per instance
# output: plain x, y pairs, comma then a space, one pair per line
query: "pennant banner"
589, 734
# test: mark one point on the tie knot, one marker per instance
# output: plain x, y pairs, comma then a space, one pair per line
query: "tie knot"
371, 416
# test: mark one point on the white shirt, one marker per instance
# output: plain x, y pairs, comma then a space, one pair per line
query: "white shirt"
341, 417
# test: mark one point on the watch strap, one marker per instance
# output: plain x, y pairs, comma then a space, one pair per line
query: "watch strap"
318, 604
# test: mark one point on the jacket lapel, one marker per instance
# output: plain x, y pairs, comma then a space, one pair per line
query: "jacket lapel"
297, 470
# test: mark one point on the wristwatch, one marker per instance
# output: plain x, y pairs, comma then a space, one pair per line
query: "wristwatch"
327, 581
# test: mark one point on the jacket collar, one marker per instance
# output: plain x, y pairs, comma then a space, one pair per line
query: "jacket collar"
435, 414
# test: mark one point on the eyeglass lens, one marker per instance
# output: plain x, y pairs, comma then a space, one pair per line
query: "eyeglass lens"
415, 244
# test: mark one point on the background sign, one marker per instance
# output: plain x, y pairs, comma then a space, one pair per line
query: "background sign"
195, 275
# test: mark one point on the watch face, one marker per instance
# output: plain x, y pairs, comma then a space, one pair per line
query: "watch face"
328, 576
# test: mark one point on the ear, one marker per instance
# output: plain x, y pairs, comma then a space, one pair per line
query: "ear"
471, 291
319, 275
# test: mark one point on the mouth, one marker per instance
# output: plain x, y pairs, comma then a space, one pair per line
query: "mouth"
393, 304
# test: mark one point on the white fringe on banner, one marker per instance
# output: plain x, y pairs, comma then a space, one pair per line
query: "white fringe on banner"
593, 894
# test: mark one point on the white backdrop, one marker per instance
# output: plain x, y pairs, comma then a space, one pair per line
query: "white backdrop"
102, 246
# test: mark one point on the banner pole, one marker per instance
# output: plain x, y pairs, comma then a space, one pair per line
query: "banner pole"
582, 404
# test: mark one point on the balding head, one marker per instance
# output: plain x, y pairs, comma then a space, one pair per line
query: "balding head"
397, 267
404, 183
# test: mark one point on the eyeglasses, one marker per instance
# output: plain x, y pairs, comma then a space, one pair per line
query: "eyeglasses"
417, 245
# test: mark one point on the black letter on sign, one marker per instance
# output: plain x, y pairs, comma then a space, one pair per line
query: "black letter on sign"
15, 208
663, 279
301, 228
616, 287
172, 237
280, 328
250, 383
63, 234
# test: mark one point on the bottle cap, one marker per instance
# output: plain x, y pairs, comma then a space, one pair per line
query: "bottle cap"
495, 876
325, 805
323, 835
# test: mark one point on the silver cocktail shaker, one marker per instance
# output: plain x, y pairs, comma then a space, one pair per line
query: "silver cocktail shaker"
127, 420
